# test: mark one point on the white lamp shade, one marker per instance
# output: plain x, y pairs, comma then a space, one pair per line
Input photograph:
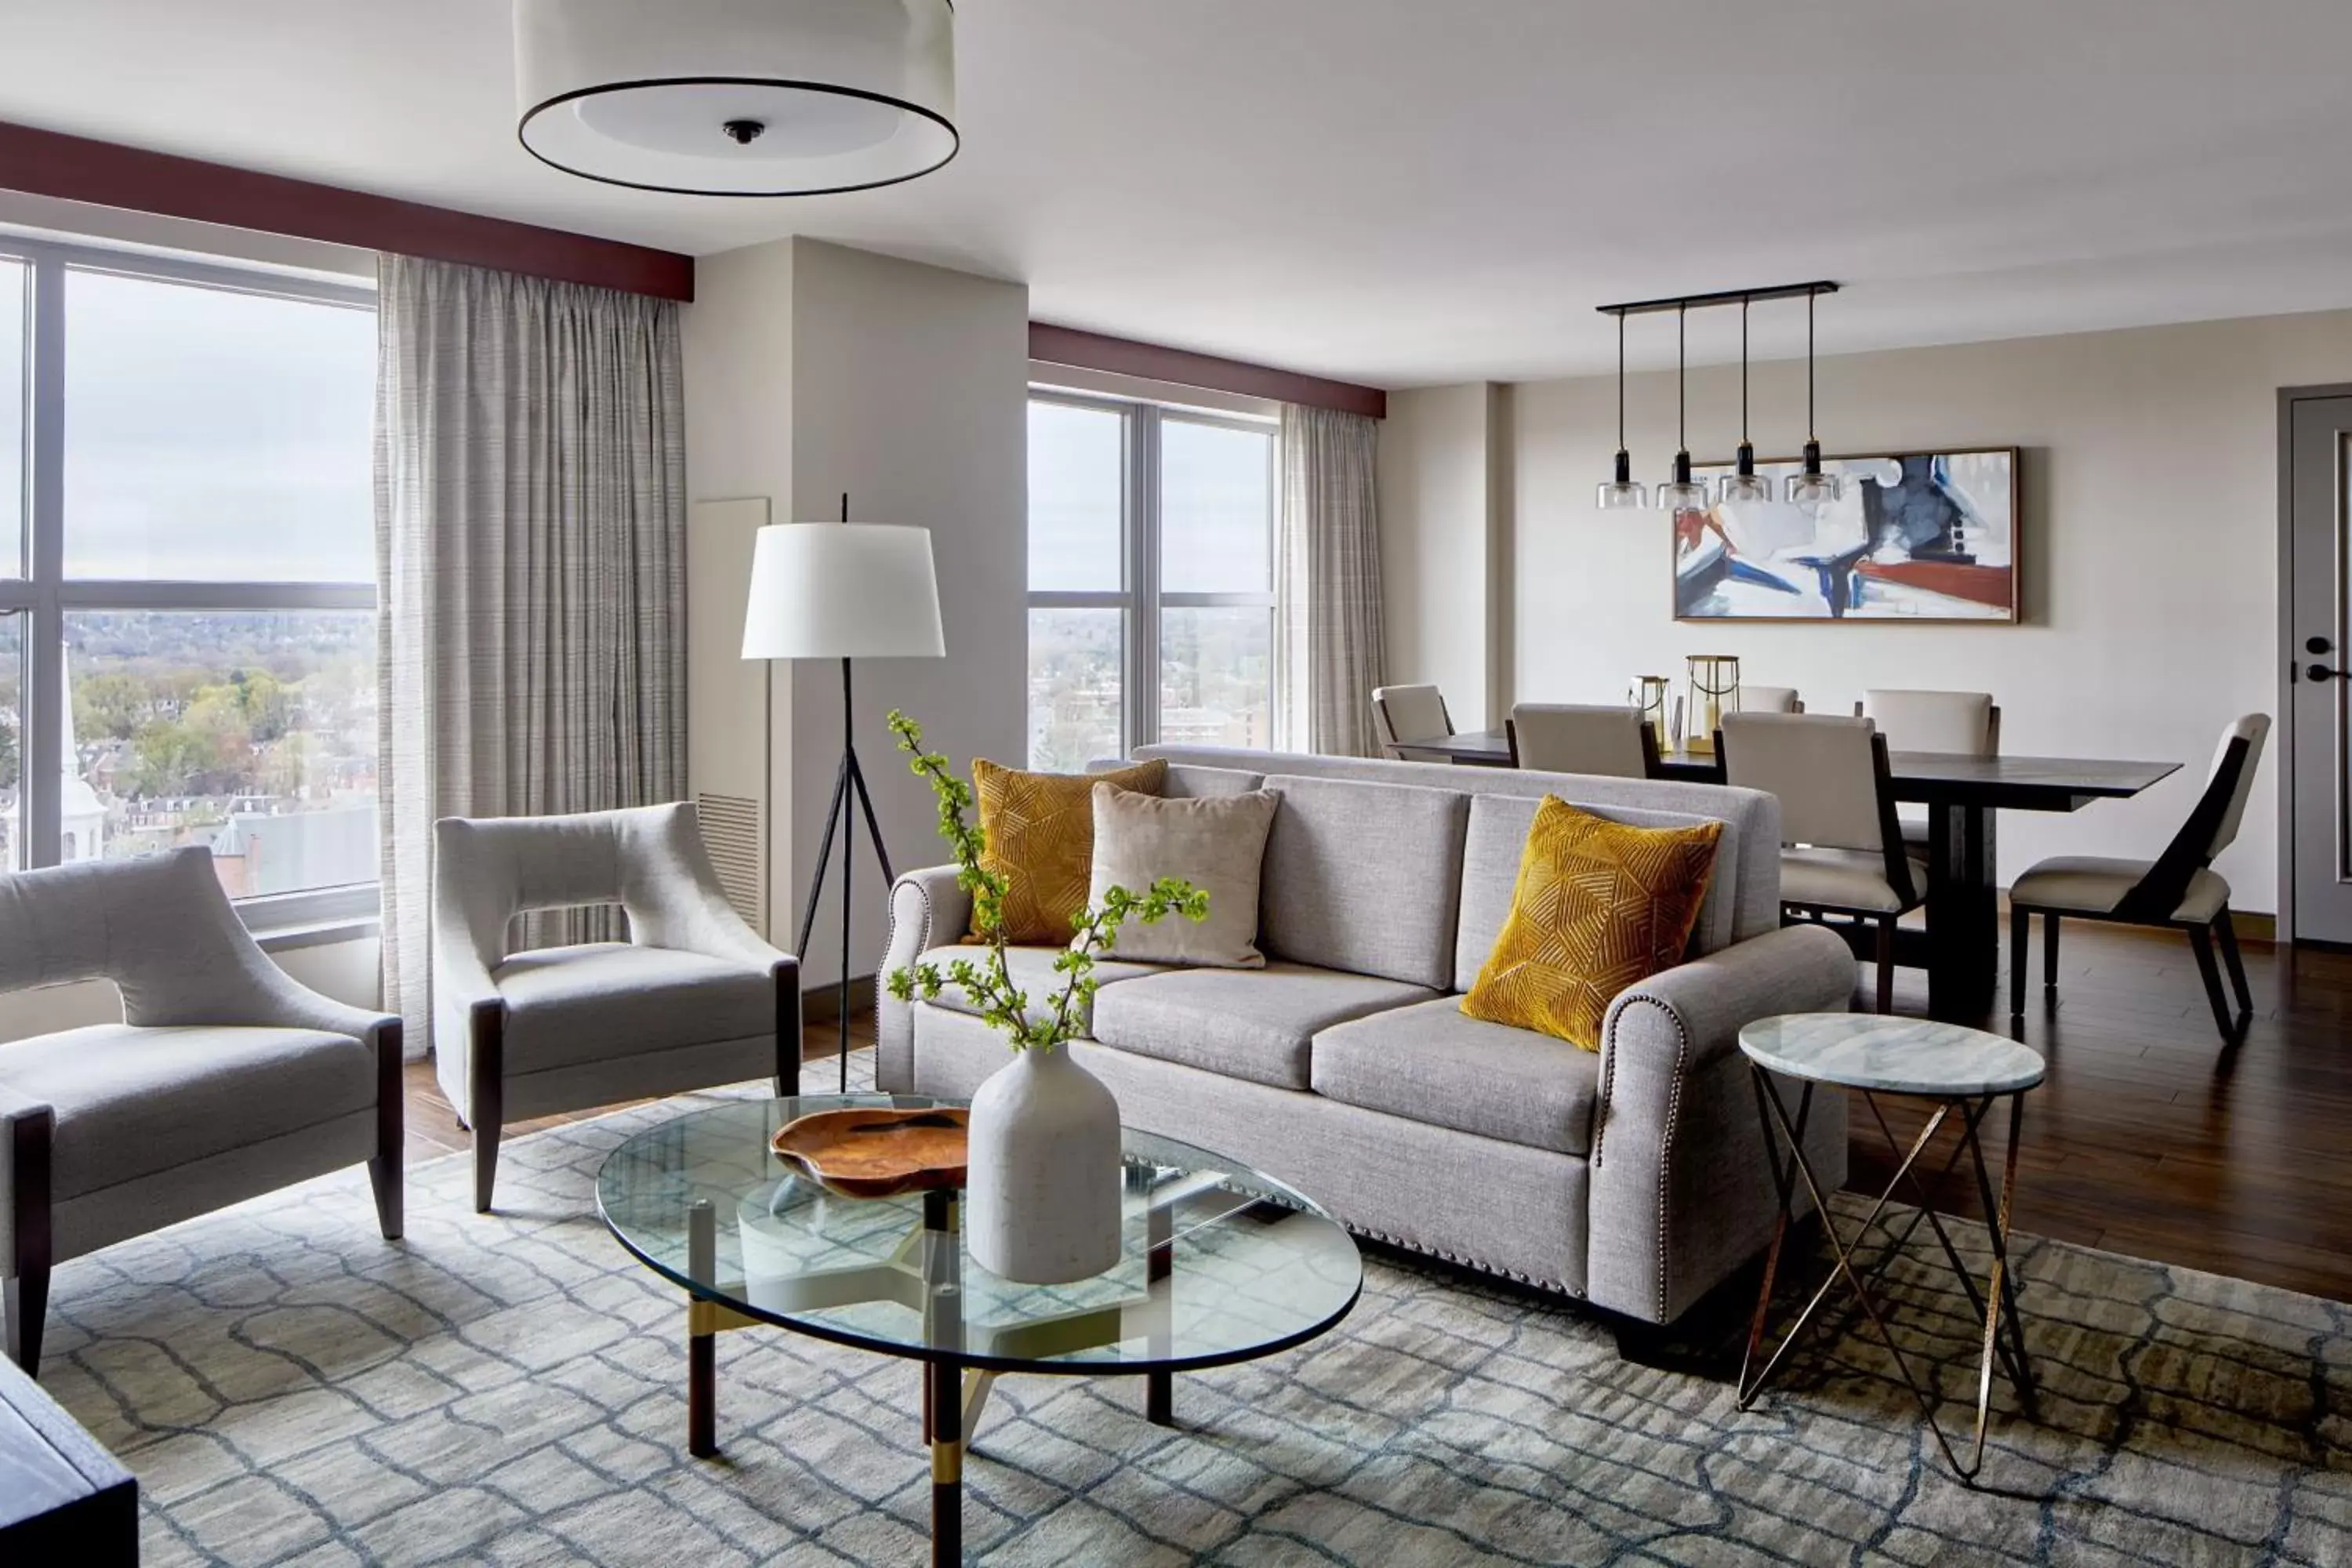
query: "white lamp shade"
738, 98
843, 590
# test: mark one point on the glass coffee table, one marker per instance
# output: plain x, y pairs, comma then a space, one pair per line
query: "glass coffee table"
1220, 1264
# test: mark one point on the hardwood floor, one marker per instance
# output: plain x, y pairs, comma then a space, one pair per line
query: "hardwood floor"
2148, 1137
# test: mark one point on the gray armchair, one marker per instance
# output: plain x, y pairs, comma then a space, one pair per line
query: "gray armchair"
693, 999
225, 1080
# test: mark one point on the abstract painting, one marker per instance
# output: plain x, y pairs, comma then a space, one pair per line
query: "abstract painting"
1917, 536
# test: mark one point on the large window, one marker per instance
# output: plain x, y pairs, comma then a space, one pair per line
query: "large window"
187, 598
1151, 579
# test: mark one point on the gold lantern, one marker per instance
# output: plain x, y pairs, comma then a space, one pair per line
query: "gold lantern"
1714, 679
1648, 696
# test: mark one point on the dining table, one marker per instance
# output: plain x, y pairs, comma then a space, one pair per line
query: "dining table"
1960, 946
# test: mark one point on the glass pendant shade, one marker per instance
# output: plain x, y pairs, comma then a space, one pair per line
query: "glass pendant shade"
1623, 491
738, 97
1684, 493
1813, 489
1745, 487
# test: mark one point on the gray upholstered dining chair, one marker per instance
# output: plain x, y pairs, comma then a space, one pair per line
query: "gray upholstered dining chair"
1567, 738
1405, 713
1954, 723
1771, 699
693, 999
1843, 851
2178, 889
224, 1079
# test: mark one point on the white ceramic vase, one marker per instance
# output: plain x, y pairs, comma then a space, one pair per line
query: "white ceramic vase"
1042, 1182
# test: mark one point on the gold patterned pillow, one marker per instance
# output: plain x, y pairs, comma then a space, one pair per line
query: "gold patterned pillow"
1599, 906
1040, 833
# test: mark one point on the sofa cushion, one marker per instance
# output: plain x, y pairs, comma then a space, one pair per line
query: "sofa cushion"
133, 1103
1365, 878
1431, 1063
1032, 969
568, 1006
1491, 850
1253, 1024
1038, 832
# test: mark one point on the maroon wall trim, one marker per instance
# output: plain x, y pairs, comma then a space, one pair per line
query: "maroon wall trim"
74, 168
1120, 357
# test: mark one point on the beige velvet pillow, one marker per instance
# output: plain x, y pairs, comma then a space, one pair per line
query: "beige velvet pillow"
1216, 844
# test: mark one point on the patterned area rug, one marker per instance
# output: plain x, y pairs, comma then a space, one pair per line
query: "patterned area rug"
510, 1389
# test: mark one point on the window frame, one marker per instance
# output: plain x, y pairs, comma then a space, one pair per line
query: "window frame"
45, 595
1140, 598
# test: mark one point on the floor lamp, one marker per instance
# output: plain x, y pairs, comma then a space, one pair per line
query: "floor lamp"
847, 591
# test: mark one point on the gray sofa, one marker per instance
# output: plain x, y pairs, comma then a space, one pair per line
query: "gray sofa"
1635, 1179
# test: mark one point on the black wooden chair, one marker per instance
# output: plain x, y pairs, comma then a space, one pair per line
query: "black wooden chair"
2178, 889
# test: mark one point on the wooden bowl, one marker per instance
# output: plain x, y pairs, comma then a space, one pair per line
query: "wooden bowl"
877, 1152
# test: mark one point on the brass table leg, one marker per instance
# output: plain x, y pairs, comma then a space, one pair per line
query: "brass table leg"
944, 1407
1999, 1298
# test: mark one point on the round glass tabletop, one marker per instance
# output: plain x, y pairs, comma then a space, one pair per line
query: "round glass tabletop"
1220, 1263
1890, 1056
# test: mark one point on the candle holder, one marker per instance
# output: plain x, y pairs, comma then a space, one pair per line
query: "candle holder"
1714, 680
1648, 696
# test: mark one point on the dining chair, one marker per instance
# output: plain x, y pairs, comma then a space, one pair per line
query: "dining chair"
1407, 713
694, 999
1769, 700
1954, 723
1612, 741
2179, 889
224, 1079
1843, 853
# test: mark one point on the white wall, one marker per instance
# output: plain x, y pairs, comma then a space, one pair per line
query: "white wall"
2149, 549
810, 370
1440, 608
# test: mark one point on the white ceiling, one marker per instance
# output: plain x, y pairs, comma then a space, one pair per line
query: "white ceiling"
1407, 192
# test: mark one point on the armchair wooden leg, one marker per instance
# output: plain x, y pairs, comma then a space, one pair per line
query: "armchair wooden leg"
789, 1042
2225, 928
2200, 941
1886, 964
25, 1295
390, 1134
2050, 950
486, 1087
2021, 926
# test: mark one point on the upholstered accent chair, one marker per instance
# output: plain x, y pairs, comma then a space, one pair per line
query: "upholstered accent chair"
693, 999
1955, 723
1843, 853
1407, 713
226, 1078
2178, 889
1567, 738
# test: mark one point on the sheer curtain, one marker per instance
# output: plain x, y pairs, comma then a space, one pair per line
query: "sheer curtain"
530, 547
1327, 594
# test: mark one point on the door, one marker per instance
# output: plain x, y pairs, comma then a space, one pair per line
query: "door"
2319, 692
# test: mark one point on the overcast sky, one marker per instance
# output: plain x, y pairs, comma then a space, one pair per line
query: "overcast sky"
211, 435
1216, 489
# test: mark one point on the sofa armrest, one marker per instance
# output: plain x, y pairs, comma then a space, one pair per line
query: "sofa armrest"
1682, 1191
927, 908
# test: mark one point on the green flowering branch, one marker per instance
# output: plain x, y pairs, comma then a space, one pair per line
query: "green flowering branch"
988, 986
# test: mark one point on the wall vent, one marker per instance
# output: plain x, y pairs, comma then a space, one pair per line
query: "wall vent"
731, 829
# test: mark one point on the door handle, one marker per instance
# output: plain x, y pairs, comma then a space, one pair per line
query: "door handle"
2321, 672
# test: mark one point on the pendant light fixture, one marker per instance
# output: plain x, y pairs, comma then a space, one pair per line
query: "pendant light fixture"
1623, 491
1812, 489
1683, 493
1745, 487
738, 97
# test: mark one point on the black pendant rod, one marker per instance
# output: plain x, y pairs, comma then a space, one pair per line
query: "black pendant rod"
1682, 425
1721, 296
1620, 383
1743, 366
1811, 434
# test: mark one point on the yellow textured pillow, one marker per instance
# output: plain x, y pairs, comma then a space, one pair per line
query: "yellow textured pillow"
1599, 906
1040, 831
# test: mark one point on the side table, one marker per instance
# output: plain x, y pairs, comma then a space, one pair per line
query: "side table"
1966, 1073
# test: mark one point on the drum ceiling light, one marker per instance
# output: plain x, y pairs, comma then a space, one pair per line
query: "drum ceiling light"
738, 97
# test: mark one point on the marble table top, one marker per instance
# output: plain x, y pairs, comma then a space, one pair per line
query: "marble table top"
1891, 1055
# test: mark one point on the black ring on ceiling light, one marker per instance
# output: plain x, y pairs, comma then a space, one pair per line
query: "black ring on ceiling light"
955, 137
